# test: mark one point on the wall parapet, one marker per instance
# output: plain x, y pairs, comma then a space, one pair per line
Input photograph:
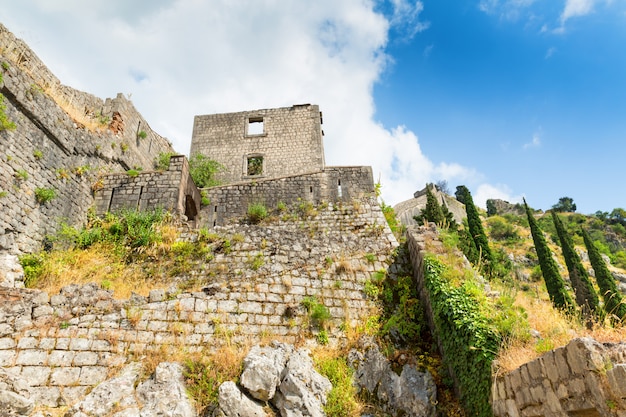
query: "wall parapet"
332, 185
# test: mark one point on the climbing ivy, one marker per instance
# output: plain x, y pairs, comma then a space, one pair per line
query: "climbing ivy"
469, 343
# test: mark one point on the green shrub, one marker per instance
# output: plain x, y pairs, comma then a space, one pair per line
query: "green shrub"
341, 401
33, 266
500, 229
205, 200
162, 162
43, 195
142, 134
203, 170
256, 212
132, 173
318, 312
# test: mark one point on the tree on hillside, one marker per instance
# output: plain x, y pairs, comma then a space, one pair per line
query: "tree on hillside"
476, 227
613, 303
432, 211
565, 205
554, 283
586, 296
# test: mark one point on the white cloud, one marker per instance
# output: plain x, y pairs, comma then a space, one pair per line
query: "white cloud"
575, 8
506, 9
534, 143
406, 17
498, 191
551, 51
184, 58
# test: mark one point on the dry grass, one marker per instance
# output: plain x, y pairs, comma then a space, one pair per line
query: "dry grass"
97, 264
555, 329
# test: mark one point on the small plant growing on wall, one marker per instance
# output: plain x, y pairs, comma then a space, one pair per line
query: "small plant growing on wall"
5, 65
142, 134
205, 201
38, 154
21, 174
43, 195
62, 174
256, 212
81, 170
124, 147
162, 162
132, 173
3, 194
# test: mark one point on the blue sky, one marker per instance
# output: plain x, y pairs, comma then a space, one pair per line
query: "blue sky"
509, 97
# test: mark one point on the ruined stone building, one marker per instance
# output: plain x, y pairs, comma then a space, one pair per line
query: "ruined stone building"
261, 144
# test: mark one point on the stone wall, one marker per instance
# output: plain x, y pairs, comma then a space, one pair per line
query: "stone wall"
172, 190
289, 143
52, 149
333, 185
66, 343
583, 378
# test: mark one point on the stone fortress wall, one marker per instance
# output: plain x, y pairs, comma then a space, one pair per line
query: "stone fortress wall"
172, 190
286, 141
64, 344
52, 150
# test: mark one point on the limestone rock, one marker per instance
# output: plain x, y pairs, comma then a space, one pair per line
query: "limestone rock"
14, 396
110, 396
164, 394
262, 369
302, 391
11, 272
412, 393
234, 403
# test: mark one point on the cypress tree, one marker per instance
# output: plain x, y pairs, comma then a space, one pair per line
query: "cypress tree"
586, 296
476, 227
554, 283
432, 212
613, 303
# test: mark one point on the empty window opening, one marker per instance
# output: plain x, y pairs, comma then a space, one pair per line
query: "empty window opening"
256, 126
311, 189
255, 165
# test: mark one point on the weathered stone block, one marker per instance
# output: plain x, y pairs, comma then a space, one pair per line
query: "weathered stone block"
80, 344
65, 376
32, 357
61, 358
85, 358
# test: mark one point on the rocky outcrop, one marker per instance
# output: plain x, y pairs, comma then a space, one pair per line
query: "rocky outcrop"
162, 395
15, 398
280, 374
411, 393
